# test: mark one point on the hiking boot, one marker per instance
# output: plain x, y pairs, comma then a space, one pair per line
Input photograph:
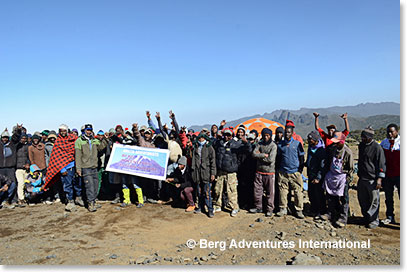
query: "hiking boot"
211, 214
98, 206
269, 214
217, 209
255, 210
8, 205
388, 220
48, 202
57, 200
115, 201
324, 217
197, 211
190, 209
21, 203
124, 204
234, 213
282, 212
340, 224
79, 201
92, 207
140, 205
299, 215
70, 206
372, 225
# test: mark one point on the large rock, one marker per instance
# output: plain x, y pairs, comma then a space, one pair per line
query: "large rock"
306, 259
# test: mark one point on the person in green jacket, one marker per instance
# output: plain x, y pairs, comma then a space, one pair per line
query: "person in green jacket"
86, 159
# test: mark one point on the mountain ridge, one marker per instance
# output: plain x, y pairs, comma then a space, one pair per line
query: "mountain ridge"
359, 116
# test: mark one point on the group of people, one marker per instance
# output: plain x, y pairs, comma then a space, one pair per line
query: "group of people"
208, 170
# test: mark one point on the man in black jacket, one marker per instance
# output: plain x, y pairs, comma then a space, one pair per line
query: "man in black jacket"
315, 171
371, 171
8, 157
227, 151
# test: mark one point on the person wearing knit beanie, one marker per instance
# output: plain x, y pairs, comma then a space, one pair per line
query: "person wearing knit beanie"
371, 171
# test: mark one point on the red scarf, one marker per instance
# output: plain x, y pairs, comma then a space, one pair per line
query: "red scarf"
62, 154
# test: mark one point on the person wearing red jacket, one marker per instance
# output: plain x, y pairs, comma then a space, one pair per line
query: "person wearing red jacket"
391, 147
327, 137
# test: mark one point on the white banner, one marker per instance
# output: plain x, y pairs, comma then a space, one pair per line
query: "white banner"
139, 161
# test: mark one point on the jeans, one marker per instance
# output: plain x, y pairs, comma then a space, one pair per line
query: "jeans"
91, 181
9, 193
204, 195
70, 184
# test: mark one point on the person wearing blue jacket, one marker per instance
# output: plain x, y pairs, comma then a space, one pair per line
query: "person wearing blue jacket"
290, 155
33, 183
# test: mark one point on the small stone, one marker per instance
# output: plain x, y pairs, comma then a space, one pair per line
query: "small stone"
261, 260
187, 260
214, 257
179, 250
113, 256
140, 260
281, 235
333, 234
306, 259
328, 228
117, 208
251, 225
319, 226
168, 259
51, 256
259, 220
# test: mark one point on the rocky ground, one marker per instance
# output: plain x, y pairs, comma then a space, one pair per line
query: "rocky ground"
157, 234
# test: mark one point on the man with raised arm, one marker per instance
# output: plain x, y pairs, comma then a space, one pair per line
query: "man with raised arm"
327, 136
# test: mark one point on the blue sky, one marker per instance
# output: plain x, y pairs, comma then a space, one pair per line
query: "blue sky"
106, 62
